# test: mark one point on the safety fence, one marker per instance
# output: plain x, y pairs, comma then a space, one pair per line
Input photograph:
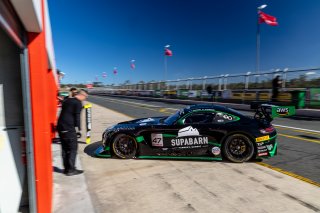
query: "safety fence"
298, 87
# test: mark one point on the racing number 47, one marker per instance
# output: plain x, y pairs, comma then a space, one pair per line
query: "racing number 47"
157, 139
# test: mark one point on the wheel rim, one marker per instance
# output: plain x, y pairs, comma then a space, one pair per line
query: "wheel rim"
240, 148
125, 147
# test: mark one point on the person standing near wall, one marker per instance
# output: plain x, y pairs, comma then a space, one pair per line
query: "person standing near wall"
276, 84
68, 122
72, 93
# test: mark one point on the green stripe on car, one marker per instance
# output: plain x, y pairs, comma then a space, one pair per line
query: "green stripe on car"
140, 139
177, 157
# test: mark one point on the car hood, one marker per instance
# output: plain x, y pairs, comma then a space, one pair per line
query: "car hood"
143, 121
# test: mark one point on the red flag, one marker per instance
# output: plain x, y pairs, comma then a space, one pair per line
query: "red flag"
167, 52
265, 18
132, 65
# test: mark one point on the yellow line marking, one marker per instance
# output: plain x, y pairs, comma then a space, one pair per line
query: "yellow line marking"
307, 180
299, 138
162, 110
295, 130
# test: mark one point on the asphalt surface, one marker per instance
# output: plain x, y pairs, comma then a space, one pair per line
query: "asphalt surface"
299, 138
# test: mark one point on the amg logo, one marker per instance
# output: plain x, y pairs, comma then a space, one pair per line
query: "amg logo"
283, 111
190, 141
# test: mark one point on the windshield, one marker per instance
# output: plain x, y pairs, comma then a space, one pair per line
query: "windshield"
172, 118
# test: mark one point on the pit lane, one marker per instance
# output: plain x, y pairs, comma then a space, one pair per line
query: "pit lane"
299, 138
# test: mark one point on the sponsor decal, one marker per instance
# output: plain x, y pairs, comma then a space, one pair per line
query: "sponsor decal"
263, 154
189, 141
263, 150
270, 147
261, 147
157, 140
188, 131
216, 150
283, 111
227, 117
263, 138
189, 136
224, 116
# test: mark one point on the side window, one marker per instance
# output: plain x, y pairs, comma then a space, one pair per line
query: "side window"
199, 118
224, 118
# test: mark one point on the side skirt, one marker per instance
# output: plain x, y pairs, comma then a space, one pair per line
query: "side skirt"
180, 158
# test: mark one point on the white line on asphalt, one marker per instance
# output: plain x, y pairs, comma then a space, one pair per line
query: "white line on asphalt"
290, 127
140, 104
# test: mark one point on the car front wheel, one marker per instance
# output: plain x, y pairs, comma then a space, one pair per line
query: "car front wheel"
238, 148
124, 146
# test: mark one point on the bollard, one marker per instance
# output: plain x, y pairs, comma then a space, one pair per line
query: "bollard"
88, 108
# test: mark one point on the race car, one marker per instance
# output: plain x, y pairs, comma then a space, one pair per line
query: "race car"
197, 132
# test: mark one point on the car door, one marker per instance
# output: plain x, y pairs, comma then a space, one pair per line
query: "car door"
193, 130
203, 122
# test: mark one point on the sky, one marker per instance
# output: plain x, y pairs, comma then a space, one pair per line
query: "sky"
207, 38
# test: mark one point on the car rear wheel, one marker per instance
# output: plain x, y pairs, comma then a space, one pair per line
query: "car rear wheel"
124, 146
238, 148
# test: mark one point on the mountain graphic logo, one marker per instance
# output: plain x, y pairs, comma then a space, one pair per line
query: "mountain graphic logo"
188, 131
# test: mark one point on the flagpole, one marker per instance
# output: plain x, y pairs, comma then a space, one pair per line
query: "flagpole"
165, 67
258, 38
258, 45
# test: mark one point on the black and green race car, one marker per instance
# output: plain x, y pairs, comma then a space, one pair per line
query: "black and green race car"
198, 132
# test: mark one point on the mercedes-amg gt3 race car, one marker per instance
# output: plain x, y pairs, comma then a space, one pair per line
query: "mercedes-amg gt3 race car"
198, 132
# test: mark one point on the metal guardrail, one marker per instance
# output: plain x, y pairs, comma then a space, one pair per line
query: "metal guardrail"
299, 78
301, 86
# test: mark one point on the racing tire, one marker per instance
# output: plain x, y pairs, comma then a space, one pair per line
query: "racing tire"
238, 148
124, 146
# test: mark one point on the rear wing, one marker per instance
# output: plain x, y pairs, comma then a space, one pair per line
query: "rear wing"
268, 112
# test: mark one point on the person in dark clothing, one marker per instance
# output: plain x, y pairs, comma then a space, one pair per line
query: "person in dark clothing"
209, 91
276, 84
68, 121
72, 92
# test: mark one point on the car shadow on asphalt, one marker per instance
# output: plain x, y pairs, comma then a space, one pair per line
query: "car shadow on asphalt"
91, 148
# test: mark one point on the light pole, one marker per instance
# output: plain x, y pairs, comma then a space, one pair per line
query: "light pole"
225, 81
258, 39
247, 80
